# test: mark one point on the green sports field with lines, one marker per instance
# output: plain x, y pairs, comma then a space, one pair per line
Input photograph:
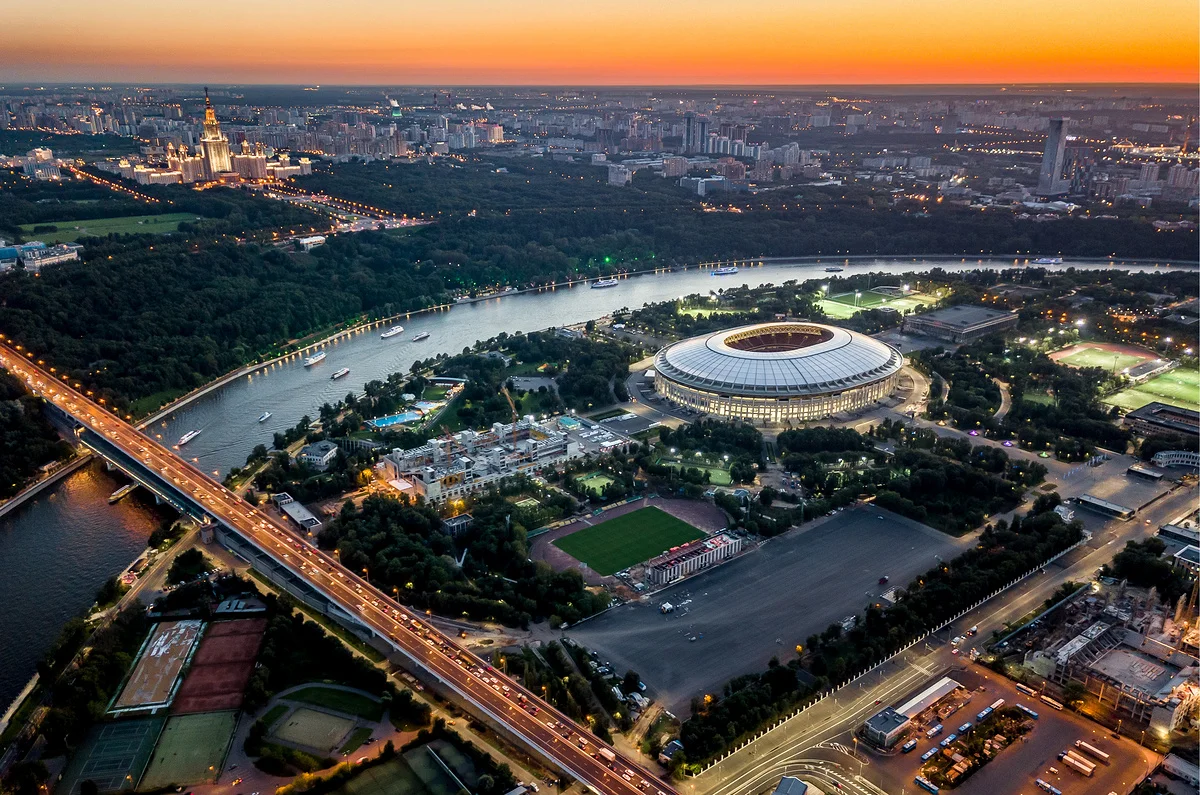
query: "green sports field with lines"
70, 231
191, 749
842, 305
619, 543
1105, 360
1179, 387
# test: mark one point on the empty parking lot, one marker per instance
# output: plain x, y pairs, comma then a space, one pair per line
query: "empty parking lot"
733, 619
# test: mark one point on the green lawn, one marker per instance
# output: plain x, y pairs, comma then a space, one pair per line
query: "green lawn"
339, 701
619, 543
355, 740
716, 475
273, 714
70, 231
1105, 360
1179, 387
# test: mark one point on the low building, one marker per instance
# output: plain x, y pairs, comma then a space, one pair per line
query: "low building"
310, 242
296, 512
928, 697
960, 323
34, 259
692, 557
1188, 558
885, 727
318, 455
669, 750
1177, 458
790, 785
1163, 419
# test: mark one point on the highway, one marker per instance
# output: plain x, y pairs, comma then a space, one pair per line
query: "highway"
546, 732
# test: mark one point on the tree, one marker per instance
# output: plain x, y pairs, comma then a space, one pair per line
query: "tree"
1074, 693
631, 682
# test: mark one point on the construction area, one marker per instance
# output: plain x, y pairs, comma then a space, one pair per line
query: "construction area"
1131, 657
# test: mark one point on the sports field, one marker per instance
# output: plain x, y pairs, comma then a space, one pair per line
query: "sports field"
843, 305
391, 778
1179, 387
114, 755
163, 655
619, 543
191, 750
1088, 356
70, 231
320, 731
593, 482
221, 667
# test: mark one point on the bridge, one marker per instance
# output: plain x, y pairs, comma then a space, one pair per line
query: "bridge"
306, 571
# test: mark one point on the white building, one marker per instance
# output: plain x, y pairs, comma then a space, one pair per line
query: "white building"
692, 557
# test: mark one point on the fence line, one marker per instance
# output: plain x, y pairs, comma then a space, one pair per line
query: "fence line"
846, 683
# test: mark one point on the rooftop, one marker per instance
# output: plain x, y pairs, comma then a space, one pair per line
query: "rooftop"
964, 317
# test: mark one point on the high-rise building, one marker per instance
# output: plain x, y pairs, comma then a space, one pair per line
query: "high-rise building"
1050, 180
675, 166
214, 143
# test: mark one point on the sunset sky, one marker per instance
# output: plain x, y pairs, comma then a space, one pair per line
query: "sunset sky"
612, 42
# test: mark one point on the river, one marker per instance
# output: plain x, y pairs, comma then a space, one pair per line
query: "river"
57, 550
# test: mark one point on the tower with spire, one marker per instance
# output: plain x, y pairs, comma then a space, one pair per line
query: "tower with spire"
214, 144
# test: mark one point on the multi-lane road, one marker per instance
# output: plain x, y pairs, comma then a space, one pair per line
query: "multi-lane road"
544, 730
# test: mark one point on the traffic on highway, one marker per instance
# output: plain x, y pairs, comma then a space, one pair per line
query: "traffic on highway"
547, 732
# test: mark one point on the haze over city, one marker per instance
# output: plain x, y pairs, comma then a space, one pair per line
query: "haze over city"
535, 42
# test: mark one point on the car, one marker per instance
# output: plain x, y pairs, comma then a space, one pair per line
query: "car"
954, 652
957, 640
1007, 443
883, 580
974, 433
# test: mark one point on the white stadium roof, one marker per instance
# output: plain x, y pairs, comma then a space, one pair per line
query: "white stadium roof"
788, 359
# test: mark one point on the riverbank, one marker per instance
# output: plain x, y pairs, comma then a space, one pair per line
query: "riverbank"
46, 482
930, 260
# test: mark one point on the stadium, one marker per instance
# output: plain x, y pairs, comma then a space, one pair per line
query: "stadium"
771, 373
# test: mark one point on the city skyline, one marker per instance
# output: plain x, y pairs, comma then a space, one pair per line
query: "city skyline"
535, 43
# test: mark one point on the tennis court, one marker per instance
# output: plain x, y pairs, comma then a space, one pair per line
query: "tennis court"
221, 667
114, 756
1179, 387
153, 680
191, 750
394, 777
621, 542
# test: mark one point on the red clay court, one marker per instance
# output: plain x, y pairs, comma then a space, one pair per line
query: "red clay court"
221, 667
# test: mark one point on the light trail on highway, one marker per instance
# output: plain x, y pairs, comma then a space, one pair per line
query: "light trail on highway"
546, 731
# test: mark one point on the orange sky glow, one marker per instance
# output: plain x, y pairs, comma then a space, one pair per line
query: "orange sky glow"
648, 42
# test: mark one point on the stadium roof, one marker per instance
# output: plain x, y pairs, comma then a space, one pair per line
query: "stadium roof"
778, 360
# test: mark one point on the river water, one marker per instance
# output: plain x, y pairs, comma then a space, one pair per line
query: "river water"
57, 550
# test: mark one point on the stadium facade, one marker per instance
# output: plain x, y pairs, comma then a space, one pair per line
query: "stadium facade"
772, 373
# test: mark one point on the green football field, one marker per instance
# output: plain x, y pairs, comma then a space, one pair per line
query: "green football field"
1179, 387
70, 231
619, 543
841, 306
191, 749
1105, 360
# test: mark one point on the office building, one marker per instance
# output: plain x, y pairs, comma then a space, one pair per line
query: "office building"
1050, 180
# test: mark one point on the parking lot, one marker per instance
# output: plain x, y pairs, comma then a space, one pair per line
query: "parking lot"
732, 619
1017, 767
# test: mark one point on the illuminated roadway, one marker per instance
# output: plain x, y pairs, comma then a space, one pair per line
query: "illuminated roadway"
547, 732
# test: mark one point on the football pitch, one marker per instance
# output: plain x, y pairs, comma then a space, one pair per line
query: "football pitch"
1179, 387
632, 538
191, 750
844, 305
1105, 360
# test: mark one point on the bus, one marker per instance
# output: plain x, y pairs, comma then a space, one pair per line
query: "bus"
1052, 703
1027, 711
908, 746
983, 713
1048, 787
926, 784
1027, 690
935, 731
997, 704
930, 754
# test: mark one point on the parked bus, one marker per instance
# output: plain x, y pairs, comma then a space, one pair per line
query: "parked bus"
997, 704
1027, 690
926, 784
1052, 703
908, 746
983, 713
930, 754
1048, 787
935, 731
1027, 711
